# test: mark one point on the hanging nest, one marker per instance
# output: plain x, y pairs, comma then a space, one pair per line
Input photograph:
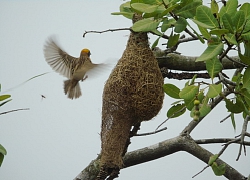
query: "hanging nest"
133, 93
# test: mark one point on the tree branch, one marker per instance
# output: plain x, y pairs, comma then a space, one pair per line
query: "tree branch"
175, 61
242, 137
161, 149
220, 141
108, 30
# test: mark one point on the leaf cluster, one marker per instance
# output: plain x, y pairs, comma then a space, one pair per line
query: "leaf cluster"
3, 100
224, 27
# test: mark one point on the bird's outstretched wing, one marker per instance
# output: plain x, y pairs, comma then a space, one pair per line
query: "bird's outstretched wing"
59, 60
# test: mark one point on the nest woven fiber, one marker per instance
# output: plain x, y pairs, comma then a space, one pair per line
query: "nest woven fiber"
133, 93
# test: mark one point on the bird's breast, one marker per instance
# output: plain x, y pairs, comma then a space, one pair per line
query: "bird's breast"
80, 73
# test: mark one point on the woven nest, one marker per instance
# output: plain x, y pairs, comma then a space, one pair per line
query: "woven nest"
132, 93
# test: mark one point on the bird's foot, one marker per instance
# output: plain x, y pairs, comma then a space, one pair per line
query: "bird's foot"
84, 77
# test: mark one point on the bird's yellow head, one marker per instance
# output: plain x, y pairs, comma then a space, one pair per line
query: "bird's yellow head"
85, 51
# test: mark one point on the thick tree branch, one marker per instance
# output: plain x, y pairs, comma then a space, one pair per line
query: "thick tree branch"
161, 149
175, 61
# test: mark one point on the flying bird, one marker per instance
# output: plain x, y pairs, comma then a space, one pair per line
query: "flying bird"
73, 68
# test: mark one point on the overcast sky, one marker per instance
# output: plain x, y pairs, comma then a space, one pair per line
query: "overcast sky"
57, 137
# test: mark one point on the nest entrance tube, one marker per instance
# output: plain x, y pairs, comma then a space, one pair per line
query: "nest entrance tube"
133, 93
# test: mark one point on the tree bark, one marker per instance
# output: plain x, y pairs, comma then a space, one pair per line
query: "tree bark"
175, 61
161, 149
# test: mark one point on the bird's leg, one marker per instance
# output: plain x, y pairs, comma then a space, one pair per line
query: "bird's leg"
85, 77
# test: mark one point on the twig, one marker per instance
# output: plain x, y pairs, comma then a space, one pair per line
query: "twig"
243, 133
247, 134
13, 111
108, 30
238, 62
219, 154
226, 81
182, 109
224, 119
221, 140
150, 133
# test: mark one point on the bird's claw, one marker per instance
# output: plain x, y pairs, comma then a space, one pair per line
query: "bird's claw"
84, 77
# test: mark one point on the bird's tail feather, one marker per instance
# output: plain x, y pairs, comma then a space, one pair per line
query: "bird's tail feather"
72, 89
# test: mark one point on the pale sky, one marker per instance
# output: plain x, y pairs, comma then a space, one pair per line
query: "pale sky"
58, 137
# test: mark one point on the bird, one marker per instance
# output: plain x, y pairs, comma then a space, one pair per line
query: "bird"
73, 68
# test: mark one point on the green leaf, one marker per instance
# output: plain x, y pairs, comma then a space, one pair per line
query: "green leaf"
197, 34
212, 159
246, 36
3, 152
188, 11
189, 92
150, 1
244, 59
213, 67
1, 159
171, 90
125, 10
167, 23
219, 32
233, 120
135, 1
189, 103
201, 24
247, 48
155, 43
173, 40
3, 97
193, 79
230, 8
211, 52
246, 78
227, 22
204, 108
176, 111
145, 25
231, 39
214, 90
237, 107
214, 7
169, 9
218, 170
246, 95
144, 8
166, 2
180, 25
246, 9
239, 20
125, 14
204, 15
204, 32
201, 96
156, 14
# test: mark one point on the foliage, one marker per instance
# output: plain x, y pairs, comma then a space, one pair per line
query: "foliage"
225, 27
5, 99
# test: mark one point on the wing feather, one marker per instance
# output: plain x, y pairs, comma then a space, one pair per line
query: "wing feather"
58, 59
